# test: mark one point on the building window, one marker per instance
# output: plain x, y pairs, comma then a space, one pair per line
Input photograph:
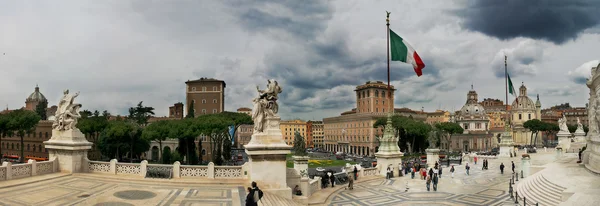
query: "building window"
12, 146
529, 116
383, 94
203, 89
46, 134
39, 148
376, 93
376, 101
40, 135
466, 126
215, 101
214, 111
519, 116
203, 101
28, 147
376, 109
193, 89
34, 134
203, 111
215, 89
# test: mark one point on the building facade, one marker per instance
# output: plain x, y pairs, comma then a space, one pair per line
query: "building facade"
176, 111
290, 127
316, 130
243, 135
245, 110
475, 122
438, 116
574, 113
207, 95
522, 110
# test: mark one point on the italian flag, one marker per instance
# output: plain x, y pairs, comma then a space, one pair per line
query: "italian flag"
511, 88
402, 51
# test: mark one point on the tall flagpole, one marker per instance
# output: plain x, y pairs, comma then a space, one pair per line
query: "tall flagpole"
391, 102
506, 89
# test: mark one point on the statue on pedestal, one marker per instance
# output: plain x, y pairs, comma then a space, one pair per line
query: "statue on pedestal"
562, 124
67, 113
579, 127
265, 105
433, 139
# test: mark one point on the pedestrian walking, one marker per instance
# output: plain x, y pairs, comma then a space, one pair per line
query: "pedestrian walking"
435, 182
513, 166
440, 171
350, 183
428, 182
501, 168
355, 173
452, 170
412, 173
389, 170
475, 160
467, 168
331, 178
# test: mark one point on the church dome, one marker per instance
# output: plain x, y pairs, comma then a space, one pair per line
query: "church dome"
37, 96
472, 110
523, 102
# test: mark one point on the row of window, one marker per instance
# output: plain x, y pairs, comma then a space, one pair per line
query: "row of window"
204, 111
18, 147
204, 101
40, 135
348, 138
367, 93
477, 125
204, 89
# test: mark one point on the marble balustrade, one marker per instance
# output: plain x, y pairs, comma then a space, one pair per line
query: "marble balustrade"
9, 171
177, 170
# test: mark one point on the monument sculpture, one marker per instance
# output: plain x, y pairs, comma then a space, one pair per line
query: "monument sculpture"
564, 141
67, 143
433, 153
591, 156
267, 149
389, 152
579, 133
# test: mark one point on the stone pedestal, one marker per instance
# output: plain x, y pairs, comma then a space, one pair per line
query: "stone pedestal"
389, 154
301, 165
433, 156
70, 148
564, 140
506, 145
525, 165
266, 156
579, 136
591, 156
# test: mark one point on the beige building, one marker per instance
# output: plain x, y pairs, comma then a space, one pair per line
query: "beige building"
245, 110
352, 132
522, 110
574, 113
208, 95
290, 127
438, 116
176, 111
316, 135
243, 135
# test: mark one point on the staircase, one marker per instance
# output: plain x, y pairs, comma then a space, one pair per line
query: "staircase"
269, 199
537, 189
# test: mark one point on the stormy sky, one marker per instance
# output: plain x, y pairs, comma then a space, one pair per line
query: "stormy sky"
117, 53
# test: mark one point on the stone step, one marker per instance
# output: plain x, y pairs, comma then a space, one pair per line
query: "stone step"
276, 200
538, 189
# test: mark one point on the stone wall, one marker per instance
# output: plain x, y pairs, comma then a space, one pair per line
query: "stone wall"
176, 170
9, 171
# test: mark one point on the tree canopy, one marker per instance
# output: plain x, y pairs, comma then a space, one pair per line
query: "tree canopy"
448, 129
122, 137
140, 114
410, 131
299, 145
22, 121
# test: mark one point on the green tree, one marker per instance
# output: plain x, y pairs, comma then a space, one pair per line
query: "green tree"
140, 114
572, 128
22, 121
158, 131
121, 137
106, 114
448, 129
185, 131
191, 110
166, 157
85, 114
40, 109
4, 130
410, 131
534, 125
550, 129
299, 145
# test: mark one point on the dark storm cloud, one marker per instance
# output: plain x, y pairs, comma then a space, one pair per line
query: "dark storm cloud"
580, 80
553, 20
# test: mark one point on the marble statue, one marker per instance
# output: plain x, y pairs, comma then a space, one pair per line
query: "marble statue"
67, 113
579, 126
265, 105
433, 139
593, 128
562, 124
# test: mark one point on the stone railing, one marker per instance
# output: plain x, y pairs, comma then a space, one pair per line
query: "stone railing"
369, 172
314, 185
176, 170
9, 171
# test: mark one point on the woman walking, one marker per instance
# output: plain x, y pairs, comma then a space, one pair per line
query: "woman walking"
452, 171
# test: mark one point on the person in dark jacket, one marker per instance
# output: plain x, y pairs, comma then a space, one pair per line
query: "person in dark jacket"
355, 173
332, 179
250, 198
513, 166
501, 168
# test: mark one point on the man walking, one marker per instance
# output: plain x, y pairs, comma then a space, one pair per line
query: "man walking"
435, 182
355, 173
452, 171
428, 182
501, 168
467, 168
513, 166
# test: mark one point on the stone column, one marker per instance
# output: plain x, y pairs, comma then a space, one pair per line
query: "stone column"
433, 155
525, 164
389, 153
69, 147
266, 154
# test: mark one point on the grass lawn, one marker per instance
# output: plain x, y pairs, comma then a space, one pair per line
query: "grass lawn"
322, 163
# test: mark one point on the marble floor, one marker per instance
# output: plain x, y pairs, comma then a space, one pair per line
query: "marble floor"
481, 187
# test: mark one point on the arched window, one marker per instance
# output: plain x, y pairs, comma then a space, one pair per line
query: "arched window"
40, 136
215, 101
12, 146
203, 101
39, 148
46, 136
383, 94
376, 93
18, 146
203, 152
